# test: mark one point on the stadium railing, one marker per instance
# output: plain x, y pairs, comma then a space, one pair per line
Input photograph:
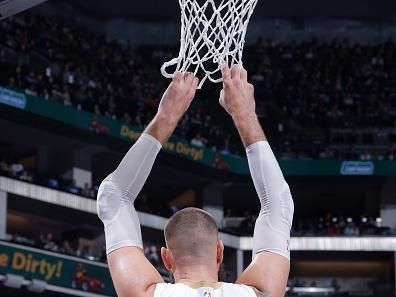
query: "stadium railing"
244, 243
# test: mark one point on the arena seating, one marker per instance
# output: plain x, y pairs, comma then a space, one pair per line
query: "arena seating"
340, 97
326, 225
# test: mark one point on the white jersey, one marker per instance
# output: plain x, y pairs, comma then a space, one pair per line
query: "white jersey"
204, 289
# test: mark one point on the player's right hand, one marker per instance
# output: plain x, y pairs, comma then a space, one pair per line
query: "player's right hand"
179, 95
237, 96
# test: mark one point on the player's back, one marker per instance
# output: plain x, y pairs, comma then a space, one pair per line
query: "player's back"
203, 289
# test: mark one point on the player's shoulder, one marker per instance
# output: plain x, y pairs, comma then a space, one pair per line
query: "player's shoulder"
240, 288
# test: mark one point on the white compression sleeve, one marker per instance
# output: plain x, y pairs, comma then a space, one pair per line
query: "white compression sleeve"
118, 192
272, 229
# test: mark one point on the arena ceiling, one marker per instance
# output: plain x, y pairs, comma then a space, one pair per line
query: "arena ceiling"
160, 9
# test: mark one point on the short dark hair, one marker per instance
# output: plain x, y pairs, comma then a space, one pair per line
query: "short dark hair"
190, 232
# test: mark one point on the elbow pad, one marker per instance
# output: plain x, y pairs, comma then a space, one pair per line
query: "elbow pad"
119, 217
272, 228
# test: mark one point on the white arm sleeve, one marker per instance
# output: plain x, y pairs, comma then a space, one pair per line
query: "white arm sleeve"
272, 229
118, 192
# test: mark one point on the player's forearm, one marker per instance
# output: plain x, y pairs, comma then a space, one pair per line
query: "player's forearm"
134, 169
162, 126
141, 157
249, 128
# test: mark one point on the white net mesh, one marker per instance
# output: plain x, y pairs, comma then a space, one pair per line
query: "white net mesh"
212, 33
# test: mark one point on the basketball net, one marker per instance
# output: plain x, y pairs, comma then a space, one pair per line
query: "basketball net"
211, 35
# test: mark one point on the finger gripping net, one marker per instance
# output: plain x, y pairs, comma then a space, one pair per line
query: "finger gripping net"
212, 33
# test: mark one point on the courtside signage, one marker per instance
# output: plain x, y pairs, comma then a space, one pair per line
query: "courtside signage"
12, 98
357, 168
226, 162
55, 269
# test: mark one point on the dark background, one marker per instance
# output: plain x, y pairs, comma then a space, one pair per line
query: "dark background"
160, 9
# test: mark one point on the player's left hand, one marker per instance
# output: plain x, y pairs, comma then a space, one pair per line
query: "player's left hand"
178, 97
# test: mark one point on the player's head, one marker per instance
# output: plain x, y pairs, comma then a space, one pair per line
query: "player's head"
191, 237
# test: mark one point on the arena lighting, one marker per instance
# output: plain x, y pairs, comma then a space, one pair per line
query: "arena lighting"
349, 220
379, 222
13, 281
16, 282
37, 286
312, 290
11, 7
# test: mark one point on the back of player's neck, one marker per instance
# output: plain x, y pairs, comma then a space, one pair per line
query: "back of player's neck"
195, 274
201, 284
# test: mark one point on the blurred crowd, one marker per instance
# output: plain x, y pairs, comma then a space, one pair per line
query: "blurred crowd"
326, 225
339, 84
16, 169
69, 247
344, 89
334, 89
92, 73
336, 225
63, 246
72, 248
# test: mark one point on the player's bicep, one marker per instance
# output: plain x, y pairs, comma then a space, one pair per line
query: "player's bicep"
268, 273
132, 274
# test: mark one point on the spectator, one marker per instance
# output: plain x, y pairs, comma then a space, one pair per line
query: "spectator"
87, 191
50, 244
53, 183
4, 168
16, 169
26, 176
73, 188
351, 230
83, 252
152, 254
198, 140
66, 248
